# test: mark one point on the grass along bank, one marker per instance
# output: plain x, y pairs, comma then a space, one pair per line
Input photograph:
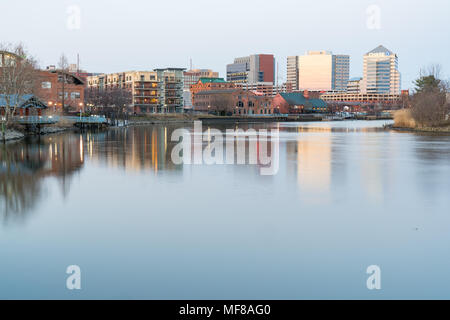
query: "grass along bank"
404, 120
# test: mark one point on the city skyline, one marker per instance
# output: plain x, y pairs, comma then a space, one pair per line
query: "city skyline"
104, 45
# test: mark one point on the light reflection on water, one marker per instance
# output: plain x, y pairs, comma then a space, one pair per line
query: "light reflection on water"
347, 195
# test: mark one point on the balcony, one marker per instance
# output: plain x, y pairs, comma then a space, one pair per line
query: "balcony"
145, 88
146, 95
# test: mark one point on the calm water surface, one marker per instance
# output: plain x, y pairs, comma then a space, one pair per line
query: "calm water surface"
348, 195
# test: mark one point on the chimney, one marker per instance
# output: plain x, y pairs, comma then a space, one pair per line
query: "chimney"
306, 94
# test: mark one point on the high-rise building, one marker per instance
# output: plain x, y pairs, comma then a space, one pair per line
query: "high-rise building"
292, 72
341, 72
323, 71
381, 74
252, 69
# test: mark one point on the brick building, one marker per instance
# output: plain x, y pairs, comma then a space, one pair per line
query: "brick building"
233, 102
191, 77
54, 85
209, 84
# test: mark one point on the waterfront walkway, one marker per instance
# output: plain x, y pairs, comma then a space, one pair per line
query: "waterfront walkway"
48, 120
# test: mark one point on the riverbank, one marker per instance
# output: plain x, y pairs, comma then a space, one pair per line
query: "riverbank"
158, 119
405, 122
445, 129
189, 118
12, 135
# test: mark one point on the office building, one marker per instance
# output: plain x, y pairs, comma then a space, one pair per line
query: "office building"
381, 74
323, 71
252, 69
292, 72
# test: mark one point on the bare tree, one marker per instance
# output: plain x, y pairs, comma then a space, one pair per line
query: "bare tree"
112, 102
222, 103
18, 76
63, 66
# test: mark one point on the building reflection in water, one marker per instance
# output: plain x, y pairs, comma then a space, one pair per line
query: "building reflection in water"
312, 150
313, 154
25, 164
134, 149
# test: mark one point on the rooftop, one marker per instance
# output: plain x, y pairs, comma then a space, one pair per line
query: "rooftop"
212, 80
24, 101
298, 99
381, 49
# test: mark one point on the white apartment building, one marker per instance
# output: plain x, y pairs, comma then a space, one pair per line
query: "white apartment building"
354, 85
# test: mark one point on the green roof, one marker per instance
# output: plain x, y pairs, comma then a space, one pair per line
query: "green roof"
298, 99
212, 80
318, 103
294, 98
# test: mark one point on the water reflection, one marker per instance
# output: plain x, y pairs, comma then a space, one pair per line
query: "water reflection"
24, 166
133, 149
322, 158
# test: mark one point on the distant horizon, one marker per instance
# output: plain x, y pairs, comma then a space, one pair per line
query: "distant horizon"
143, 39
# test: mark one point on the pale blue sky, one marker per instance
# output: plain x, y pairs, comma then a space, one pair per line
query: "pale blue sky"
117, 35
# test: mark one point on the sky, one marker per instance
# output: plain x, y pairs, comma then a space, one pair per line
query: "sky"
118, 35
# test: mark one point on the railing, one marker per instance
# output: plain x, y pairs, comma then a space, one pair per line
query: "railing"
274, 115
91, 119
36, 119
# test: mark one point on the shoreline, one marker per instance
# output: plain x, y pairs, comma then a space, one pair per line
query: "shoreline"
15, 135
442, 130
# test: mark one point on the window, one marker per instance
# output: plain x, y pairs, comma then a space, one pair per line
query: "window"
75, 95
60, 94
46, 85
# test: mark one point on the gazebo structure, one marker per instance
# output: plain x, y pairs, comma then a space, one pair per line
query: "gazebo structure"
27, 105
28, 109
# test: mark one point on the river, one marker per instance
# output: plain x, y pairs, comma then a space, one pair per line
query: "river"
347, 195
